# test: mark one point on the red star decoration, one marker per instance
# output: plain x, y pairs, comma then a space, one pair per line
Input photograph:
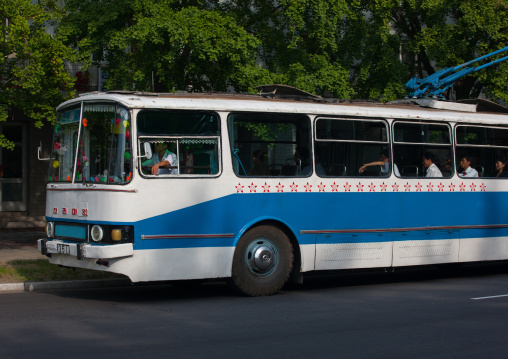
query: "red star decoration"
473, 187
239, 188
429, 187
372, 188
440, 186
335, 187
266, 188
483, 187
407, 186
321, 187
418, 187
462, 187
252, 188
347, 187
360, 187
383, 187
293, 187
280, 188
452, 187
308, 187
395, 187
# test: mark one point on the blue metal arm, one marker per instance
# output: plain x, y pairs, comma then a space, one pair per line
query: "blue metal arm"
436, 84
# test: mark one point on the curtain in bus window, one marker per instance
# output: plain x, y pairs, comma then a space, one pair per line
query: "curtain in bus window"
190, 139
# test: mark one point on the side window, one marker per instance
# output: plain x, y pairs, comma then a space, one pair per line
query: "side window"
269, 145
422, 149
481, 151
182, 143
351, 147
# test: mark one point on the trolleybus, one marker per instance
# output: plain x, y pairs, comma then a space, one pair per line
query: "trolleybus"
258, 190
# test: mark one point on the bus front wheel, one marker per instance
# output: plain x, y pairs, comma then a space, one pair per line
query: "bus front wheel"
262, 261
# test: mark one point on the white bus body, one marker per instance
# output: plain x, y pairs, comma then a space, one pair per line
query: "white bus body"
214, 220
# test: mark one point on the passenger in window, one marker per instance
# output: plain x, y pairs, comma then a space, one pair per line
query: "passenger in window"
260, 168
448, 165
384, 162
161, 161
432, 169
467, 170
502, 170
301, 157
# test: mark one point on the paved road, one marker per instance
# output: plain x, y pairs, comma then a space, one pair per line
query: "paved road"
407, 314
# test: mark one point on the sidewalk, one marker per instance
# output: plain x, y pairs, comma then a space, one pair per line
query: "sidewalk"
19, 245
23, 245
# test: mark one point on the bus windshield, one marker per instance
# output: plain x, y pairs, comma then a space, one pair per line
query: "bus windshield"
93, 149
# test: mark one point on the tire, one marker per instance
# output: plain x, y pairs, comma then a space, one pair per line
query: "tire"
262, 261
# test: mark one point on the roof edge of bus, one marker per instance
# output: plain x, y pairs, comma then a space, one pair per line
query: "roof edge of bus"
465, 105
288, 93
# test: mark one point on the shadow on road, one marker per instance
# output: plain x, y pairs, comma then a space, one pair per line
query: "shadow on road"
315, 281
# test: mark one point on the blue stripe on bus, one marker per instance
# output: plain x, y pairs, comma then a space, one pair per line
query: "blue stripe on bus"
327, 212
339, 211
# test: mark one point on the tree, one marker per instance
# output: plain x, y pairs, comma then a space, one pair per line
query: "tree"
299, 41
434, 34
212, 45
163, 45
33, 75
339, 48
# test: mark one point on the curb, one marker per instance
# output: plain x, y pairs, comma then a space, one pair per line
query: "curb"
70, 284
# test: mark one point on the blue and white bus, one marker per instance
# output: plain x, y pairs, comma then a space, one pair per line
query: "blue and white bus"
167, 187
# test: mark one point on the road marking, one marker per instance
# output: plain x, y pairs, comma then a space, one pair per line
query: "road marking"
494, 296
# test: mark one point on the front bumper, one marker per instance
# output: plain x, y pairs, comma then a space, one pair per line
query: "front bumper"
85, 250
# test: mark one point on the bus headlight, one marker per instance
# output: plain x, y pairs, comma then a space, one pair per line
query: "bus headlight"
97, 233
50, 229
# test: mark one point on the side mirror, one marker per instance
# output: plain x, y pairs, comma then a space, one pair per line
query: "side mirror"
39, 153
148, 150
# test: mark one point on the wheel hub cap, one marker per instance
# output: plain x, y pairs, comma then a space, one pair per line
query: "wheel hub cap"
262, 257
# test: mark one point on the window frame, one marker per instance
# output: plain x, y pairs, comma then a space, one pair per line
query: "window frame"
386, 143
304, 116
451, 144
177, 138
475, 146
419, 122
482, 126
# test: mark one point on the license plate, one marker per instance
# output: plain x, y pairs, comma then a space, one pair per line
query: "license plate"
63, 249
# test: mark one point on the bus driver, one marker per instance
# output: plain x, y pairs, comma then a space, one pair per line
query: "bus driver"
162, 160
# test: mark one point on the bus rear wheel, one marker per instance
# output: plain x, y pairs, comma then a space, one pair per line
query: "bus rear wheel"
262, 261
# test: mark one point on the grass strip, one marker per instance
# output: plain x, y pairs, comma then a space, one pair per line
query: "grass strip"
40, 270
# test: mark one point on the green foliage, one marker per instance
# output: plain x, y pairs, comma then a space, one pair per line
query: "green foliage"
300, 41
339, 48
34, 79
163, 45
434, 34
264, 131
